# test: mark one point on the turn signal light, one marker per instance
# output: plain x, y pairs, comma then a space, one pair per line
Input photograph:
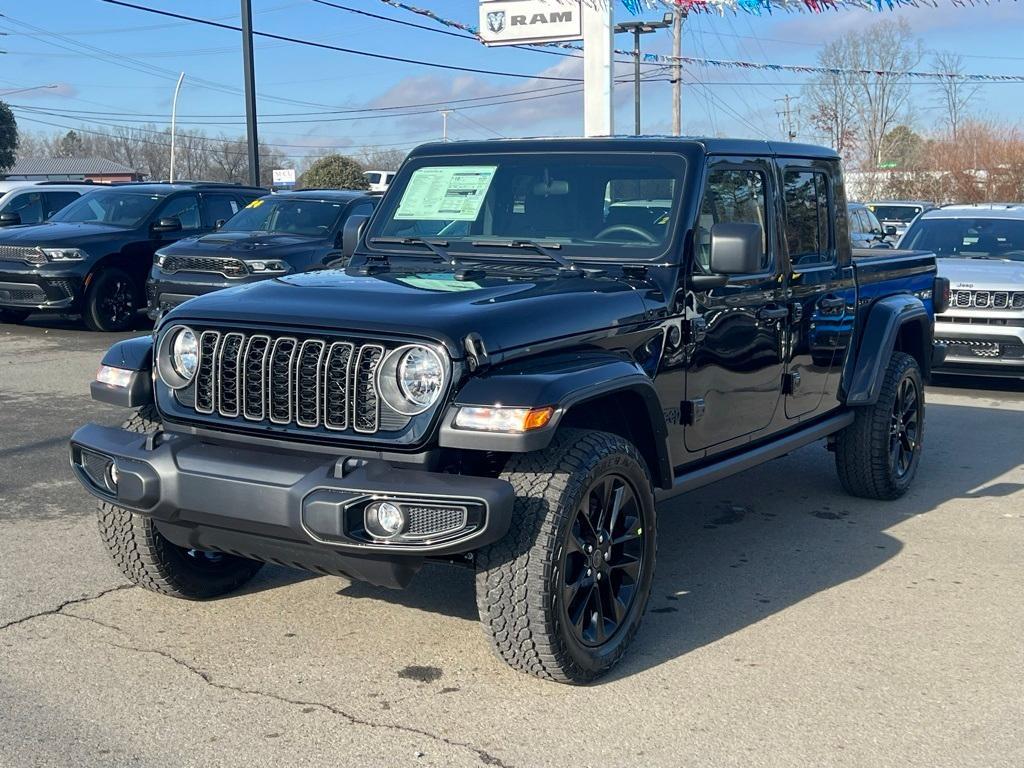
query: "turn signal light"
501, 419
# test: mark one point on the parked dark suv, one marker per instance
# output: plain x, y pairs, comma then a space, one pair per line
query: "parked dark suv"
273, 236
94, 255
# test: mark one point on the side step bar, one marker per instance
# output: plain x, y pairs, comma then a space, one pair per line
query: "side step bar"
710, 473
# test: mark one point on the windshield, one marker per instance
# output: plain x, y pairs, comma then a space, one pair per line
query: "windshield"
579, 203
313, 218
109, 206
968, 238
901, 213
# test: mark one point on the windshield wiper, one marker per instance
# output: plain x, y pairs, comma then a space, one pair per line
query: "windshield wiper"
545, 250
439, 249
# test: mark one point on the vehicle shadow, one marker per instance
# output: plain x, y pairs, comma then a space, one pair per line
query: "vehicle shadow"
956, 384
71, 322
741, 550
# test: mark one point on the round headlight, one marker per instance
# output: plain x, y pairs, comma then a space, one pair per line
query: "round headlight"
420, 376
185, 353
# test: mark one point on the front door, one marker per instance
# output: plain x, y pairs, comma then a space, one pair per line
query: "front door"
734, 379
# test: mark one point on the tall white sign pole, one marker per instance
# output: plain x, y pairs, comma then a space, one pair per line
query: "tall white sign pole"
598, 75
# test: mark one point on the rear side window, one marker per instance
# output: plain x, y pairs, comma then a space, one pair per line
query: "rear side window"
734, 195
220, 208
808, 234
57, 200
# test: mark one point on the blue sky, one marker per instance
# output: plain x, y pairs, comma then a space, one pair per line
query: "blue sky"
120, 65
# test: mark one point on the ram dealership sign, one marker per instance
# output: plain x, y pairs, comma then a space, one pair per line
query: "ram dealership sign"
512, 22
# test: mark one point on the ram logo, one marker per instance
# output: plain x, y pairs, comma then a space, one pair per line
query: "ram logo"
496, 21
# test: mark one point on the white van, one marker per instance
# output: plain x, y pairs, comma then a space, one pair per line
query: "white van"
27, 202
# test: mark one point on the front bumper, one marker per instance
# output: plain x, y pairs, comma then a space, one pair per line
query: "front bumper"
296, 509
25, 287
982, 345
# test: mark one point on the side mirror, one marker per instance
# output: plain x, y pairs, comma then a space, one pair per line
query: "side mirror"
173, 224
351, 233
219, 223
9, 218
890, 231
736, 248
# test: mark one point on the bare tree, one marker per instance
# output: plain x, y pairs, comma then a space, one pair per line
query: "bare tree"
953, 93
831, 98
377, 159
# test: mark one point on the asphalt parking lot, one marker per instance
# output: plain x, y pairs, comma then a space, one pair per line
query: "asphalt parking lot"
790, 625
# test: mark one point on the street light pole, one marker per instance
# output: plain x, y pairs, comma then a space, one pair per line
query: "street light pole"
250, 94
641, 28
174, 120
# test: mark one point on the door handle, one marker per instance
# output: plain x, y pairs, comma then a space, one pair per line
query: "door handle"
773, 312
832, 302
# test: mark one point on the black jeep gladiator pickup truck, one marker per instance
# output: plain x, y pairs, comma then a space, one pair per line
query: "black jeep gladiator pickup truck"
534, 342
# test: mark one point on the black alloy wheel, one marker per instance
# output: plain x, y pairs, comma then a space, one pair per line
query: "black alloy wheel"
111, 302
904, 430
603, 561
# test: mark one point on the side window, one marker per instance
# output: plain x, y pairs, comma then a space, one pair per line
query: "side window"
57, 200
734, 195
363, 209
184, 208
861, 221
874, 226
29, 206
808, 234
220, 207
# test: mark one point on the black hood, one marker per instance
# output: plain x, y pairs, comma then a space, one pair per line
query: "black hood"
58, 233
245, 245
507, 311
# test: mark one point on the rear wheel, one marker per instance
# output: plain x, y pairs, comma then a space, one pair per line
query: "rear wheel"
111, 301
13, 315
149, 560
562, 595
877, 456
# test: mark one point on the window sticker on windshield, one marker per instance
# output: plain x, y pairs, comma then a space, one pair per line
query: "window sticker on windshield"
441, 282
255, 204
453, 193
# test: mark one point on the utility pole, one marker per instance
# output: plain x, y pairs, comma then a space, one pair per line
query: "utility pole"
444, 118
174, 120
787, 114
677, 71
641, 28
250, 94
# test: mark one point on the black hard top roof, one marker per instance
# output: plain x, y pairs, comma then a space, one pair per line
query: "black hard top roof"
678, 144
334, 195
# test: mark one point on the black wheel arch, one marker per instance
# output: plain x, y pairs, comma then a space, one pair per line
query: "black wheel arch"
894, 324
593, 389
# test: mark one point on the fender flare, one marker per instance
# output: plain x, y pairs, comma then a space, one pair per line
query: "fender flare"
862, 379
134, 355
563, 381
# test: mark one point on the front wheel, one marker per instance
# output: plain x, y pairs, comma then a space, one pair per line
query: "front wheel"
877, 456
563, 593
111, 301
149, 560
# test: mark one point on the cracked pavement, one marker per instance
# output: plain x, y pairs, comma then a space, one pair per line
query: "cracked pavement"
789, 624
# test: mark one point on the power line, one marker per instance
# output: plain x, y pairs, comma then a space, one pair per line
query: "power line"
340, 49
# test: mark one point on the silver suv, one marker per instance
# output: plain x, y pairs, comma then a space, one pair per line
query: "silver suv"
981, 252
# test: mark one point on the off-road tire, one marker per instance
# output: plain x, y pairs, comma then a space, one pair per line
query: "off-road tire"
518, 581
863, 449
149, 560
97, 316
13, 316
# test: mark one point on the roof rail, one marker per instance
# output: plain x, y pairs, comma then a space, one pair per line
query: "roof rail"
68, 181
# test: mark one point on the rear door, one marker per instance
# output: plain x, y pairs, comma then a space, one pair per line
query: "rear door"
819, 286
733, 382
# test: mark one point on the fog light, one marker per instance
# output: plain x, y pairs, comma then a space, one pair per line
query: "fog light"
384, 519
112, 476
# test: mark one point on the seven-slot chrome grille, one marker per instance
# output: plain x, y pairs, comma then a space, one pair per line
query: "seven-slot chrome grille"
312, 383
975, 299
